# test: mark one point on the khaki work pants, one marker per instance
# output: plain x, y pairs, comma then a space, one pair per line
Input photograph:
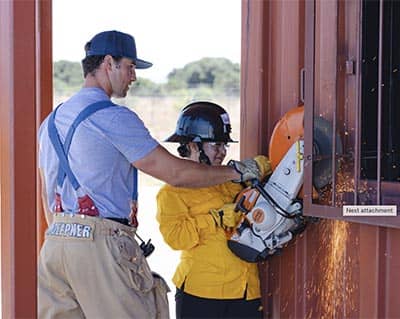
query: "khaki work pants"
91, 267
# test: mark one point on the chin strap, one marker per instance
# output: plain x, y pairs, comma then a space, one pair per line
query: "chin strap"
203, 158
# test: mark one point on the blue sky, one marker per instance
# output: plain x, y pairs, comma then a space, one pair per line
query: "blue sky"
169, 33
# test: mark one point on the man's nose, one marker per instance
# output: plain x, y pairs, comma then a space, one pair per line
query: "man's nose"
133, 76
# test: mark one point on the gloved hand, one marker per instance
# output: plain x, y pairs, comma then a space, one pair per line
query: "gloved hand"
248, 169
264, 165
226, 216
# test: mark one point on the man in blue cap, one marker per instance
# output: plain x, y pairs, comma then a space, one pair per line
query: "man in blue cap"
89, 151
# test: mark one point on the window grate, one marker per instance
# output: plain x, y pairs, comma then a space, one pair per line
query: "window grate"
352, 65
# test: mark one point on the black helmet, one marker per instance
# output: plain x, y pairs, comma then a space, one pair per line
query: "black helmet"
202, 121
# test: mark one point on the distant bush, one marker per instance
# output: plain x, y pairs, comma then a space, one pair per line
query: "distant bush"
204, 78
67, 76
218, 74
146, 87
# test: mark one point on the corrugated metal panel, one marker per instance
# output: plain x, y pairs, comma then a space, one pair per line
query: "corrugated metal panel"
335, 269
270, 68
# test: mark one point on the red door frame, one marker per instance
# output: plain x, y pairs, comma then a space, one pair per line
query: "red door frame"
26, 96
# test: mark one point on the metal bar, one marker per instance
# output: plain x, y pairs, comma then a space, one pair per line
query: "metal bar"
309, 60
357, 159
379, 133
390, 84
309, 103
334, 115
302, 78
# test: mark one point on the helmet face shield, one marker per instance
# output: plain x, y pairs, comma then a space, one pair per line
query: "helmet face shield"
202, 122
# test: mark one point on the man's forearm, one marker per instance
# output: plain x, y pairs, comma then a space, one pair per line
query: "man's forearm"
181, 172
200, 175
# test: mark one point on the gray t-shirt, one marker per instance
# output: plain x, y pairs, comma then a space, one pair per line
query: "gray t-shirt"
102, 150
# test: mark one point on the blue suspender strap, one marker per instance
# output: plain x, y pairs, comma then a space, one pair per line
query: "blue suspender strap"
64, 168
62, 150
134, 207
135, 185
84, 114
55, 140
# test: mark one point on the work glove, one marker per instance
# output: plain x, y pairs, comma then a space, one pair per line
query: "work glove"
226, 216
248, 170
264, 166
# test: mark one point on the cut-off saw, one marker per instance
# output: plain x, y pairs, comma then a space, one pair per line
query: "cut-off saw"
272, 212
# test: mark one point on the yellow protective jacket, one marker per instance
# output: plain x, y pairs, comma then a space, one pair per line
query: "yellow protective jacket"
207, 266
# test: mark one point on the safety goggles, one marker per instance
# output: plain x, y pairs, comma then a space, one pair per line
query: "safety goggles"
218, 145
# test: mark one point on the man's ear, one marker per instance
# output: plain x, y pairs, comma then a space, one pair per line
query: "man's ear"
108, 61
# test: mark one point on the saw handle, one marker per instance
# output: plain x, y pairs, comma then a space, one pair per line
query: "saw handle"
245, 224
239, 205
247, 198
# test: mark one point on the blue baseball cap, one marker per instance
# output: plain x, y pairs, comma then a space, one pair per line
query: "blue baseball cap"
116, 44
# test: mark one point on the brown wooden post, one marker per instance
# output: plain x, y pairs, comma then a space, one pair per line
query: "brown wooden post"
20, 86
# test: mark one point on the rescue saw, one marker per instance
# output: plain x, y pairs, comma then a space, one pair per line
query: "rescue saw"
273, 211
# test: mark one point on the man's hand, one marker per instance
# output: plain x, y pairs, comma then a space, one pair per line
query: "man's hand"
226, 216
248, 169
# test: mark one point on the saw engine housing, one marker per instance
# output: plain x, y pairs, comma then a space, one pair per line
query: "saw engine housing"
272, 213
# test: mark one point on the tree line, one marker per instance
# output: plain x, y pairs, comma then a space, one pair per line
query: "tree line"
207, 75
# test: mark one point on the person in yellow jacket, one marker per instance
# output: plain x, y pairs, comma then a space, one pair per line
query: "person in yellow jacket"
211, 281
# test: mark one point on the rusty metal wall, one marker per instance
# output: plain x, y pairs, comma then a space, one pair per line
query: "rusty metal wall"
270, 68
335, 269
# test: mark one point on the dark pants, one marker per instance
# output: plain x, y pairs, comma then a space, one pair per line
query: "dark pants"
189, 306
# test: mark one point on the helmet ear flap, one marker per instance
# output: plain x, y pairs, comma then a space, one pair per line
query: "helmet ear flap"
203, 158
184, 150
